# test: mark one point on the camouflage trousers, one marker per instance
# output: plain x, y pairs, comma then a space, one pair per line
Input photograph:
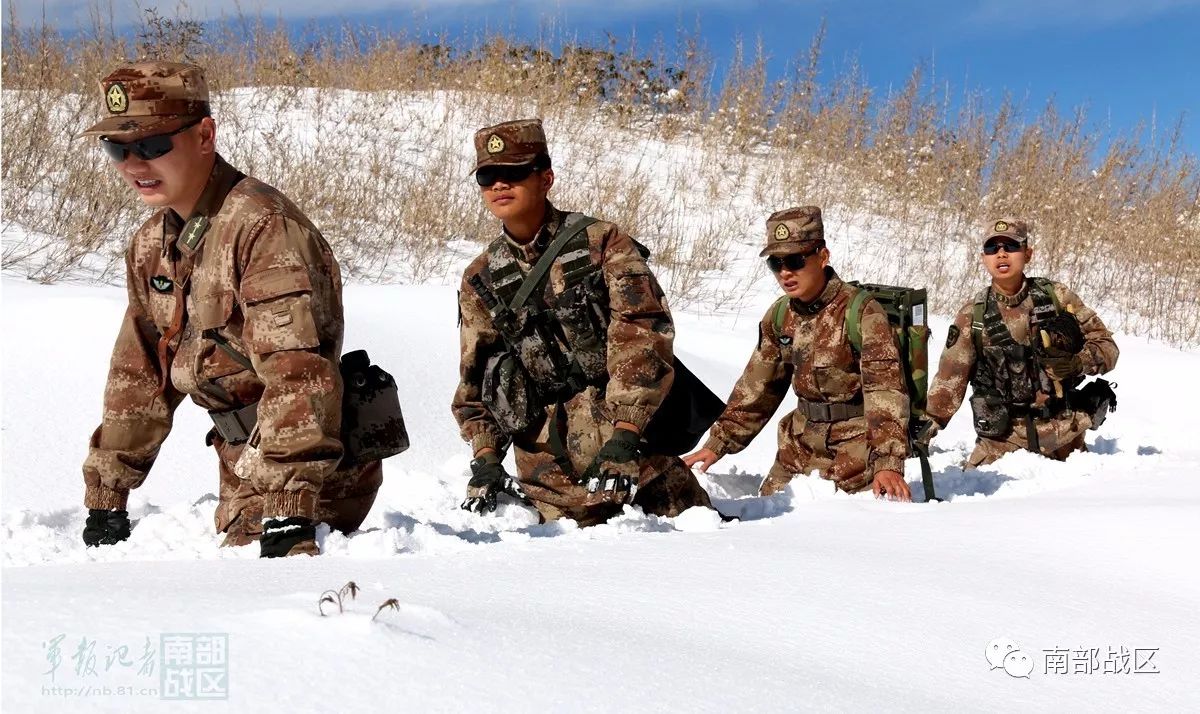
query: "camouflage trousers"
837, 451
343, 502
665, 486
1058, 438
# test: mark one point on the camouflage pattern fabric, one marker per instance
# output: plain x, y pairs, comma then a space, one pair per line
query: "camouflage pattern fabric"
513, 143
264, 277
639, 349
813, 355
148, 98
1059, 436
794, 230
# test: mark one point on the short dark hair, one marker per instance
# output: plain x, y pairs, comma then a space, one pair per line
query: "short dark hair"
541, 162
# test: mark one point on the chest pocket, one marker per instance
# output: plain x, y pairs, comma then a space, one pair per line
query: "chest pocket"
834, 366
214, 311
278, 310
162, 309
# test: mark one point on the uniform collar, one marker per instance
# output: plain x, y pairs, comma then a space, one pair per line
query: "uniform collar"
220, 182
833, 285
531, 251
1012, 300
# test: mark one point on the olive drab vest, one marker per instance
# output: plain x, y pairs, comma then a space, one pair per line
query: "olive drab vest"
556, 343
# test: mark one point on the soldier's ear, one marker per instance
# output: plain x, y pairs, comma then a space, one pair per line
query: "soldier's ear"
547, 180
1028, 255
207, 132
823, 254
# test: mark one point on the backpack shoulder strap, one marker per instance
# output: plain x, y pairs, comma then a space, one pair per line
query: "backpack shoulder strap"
981, 301
1047, 286
779, 314
573, 225
854, 317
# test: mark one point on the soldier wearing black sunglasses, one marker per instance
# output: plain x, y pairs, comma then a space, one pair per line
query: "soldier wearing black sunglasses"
566, 352
850, 425
1024, 345
234, 300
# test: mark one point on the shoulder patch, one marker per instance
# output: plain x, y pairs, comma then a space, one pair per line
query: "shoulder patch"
162, 284
952, 336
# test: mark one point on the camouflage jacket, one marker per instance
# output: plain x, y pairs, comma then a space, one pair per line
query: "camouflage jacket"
640, 331
264, 277
815, 356
957, 363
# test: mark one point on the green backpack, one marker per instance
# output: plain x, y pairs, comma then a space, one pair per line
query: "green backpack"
906, 312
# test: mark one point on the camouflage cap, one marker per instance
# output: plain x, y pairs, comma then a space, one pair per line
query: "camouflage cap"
146, 98
512, 143
1008, 228
794, 230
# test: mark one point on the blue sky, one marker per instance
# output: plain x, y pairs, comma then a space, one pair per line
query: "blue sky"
1129, 61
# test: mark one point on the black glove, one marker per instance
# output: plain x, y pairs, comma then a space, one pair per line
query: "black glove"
1061, 335
489, 480
613, 474
280, 535
105, 527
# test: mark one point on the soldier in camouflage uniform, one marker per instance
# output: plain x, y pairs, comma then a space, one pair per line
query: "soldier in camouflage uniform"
592, 352
226, 260
852, 418
1024, 384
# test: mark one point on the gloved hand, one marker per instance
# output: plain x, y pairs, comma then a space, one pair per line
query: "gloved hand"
613, 474
1064, 367
105, 527
1061, 335
489, 480
926, 429
294, 535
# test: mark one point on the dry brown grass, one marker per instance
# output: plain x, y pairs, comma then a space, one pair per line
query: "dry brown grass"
641, 138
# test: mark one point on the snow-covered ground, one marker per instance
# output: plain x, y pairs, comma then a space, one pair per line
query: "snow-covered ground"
814, 601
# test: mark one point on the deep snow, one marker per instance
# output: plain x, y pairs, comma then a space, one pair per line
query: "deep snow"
815, 601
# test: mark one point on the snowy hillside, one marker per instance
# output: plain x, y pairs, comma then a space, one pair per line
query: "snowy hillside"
813, 601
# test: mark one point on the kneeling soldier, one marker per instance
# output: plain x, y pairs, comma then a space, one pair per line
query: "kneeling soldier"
566, 351
1024, 345
852, 420
235, 300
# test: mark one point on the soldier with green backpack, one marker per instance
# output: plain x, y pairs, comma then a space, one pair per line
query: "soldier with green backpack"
1024, 345
834, 345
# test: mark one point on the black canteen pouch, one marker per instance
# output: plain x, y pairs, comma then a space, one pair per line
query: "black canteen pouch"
991, 417
508, 394
1096, 399
372, 424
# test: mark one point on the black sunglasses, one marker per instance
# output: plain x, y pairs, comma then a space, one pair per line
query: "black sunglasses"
489, 175
791, 261
148, 149
994, 247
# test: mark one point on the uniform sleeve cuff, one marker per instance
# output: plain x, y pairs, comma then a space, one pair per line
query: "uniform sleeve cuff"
106, 498
638, 416
715, 445
287, 504
485, 440
887, 463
